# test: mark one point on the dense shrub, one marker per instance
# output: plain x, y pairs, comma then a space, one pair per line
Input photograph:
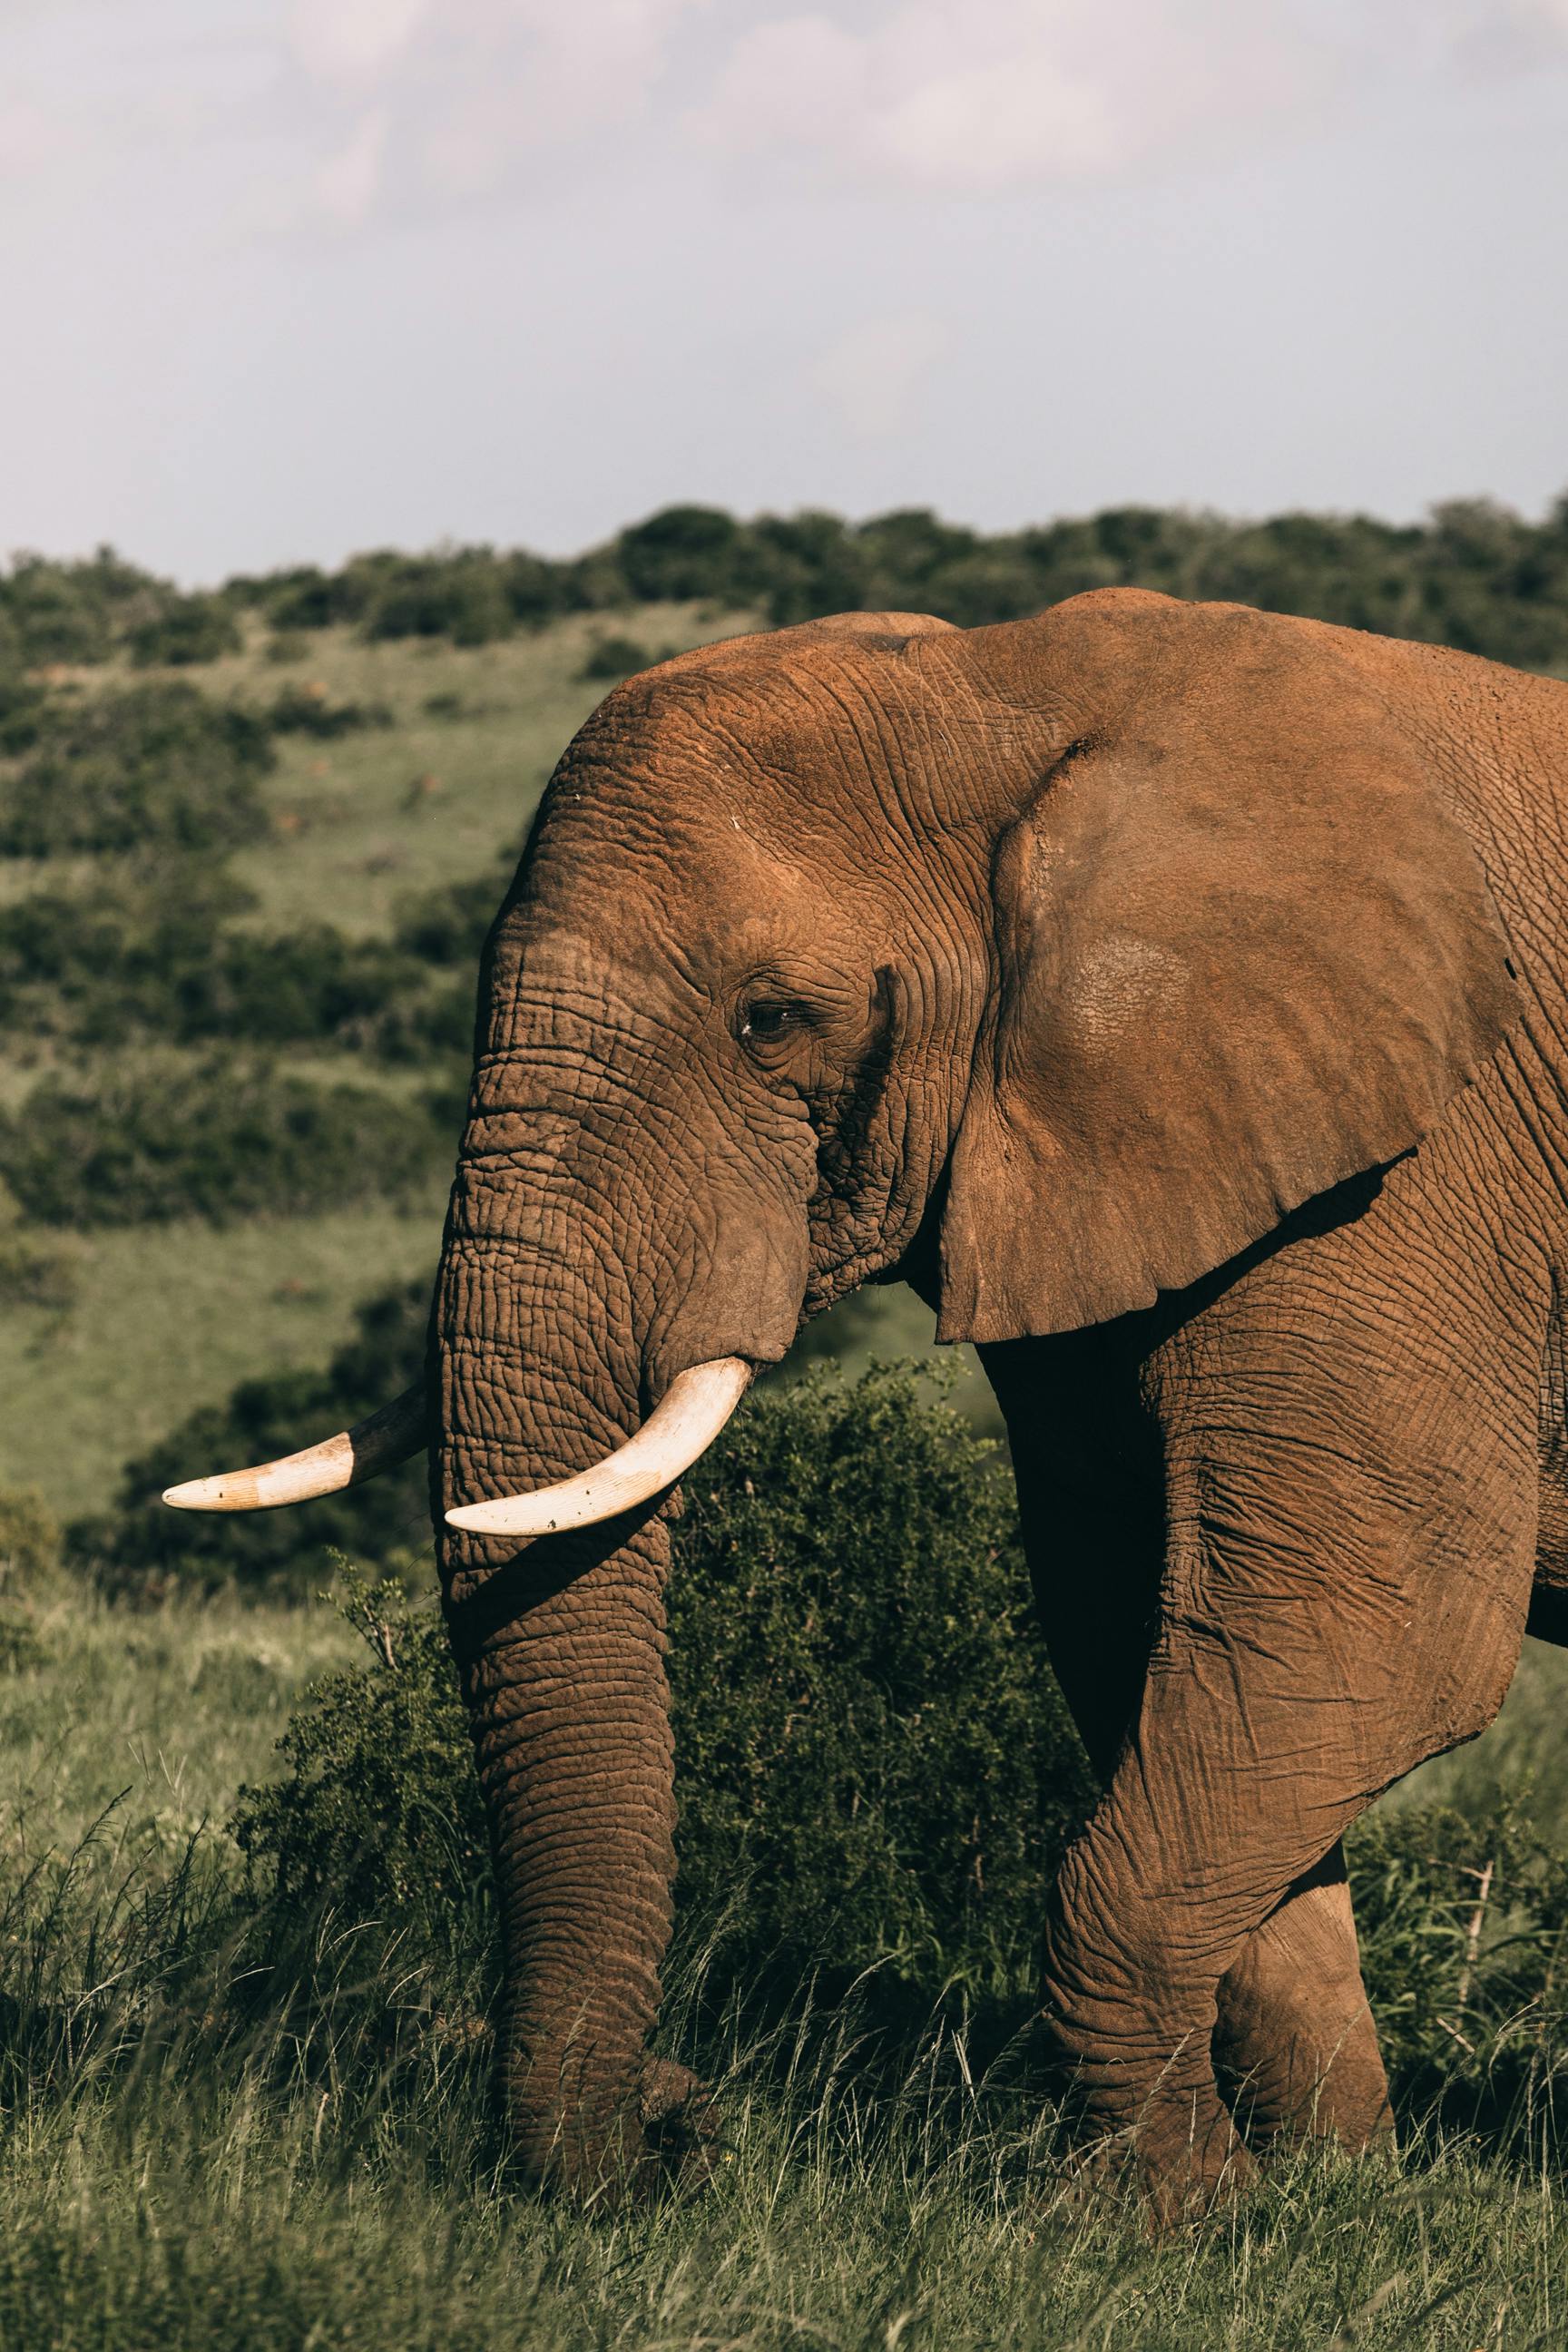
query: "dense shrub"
377, 1808
35, 1273
105, 959
613, 658
686, 551
873, 1762
189, 629
217, 1140
158, 766
52, 611
462, 596
31, 1540
22, 705
141, 1547
309, 710
1475, 576
149, 950
447, 925
1463, 1919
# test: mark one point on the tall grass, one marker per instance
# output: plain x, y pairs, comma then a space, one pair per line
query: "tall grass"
187, 2162
222, 2126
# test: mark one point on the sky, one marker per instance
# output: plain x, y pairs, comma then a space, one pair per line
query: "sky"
281, 279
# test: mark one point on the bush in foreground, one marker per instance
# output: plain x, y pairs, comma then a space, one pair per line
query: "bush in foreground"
874, 1765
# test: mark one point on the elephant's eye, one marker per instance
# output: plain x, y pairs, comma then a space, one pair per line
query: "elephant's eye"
766, 1017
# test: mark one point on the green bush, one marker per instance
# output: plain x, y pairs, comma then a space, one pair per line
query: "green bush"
1463, 1920
217, 1141
34, 1272
378, 1809
874, 1766
143, 1548
31, 1540
52, 611
446, 927
462, 596
308, 710
156, 767
613, 658
148, 951
1475, 576
190, 629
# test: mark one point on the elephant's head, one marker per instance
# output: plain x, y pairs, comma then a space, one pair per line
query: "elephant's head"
1049, 964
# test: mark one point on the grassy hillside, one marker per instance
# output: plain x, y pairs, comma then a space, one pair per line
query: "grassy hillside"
141, 1325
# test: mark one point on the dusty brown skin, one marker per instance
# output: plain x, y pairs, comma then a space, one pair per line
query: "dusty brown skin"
1174, 994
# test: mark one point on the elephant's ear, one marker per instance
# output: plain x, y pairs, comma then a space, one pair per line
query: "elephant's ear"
1244, 951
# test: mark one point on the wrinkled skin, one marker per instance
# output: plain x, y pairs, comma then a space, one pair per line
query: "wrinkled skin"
1172, 993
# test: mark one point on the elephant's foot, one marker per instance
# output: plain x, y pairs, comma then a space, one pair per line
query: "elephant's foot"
1182, 2158
678, 2116
1189, 2161
608, 2148
1295, 2045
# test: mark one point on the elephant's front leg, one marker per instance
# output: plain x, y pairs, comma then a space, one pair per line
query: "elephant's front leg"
1295, 2045
1318, 1640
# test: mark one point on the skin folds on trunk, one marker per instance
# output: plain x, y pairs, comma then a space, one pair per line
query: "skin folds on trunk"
561, 1648
548, 1338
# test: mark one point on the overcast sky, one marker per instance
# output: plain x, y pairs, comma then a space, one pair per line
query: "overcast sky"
282, 279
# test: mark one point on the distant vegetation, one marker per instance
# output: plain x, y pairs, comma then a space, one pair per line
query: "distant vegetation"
1475, 576
154, 767
219, 1140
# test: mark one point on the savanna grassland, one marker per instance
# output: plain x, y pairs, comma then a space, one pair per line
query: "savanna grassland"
248, 846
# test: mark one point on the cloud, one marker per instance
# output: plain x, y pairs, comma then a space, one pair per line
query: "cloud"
472, 91
527, 77
988, 94
344, 188
351, 40
873, 375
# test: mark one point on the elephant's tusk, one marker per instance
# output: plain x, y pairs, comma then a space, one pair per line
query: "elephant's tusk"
683, 1424
377, 1444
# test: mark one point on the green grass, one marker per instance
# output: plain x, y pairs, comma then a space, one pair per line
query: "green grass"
434, 800
187, 2162
169, 1318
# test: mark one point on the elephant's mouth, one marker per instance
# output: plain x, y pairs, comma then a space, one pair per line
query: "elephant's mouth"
681, 1426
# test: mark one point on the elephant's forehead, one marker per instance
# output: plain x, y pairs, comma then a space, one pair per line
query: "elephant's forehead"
682, 893
807, 734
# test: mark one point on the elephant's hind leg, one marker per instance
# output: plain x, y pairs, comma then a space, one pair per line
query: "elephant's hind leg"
1295, 2045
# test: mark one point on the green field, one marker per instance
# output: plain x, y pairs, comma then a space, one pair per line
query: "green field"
182, 2171
214, 2135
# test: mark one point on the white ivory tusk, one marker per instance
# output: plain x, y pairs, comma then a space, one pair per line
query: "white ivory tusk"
372, 1445
683, 1424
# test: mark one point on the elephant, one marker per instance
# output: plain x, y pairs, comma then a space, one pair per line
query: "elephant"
1173, 994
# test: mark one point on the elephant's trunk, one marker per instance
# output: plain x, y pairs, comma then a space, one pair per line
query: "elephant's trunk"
543, 1360
561, 1650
